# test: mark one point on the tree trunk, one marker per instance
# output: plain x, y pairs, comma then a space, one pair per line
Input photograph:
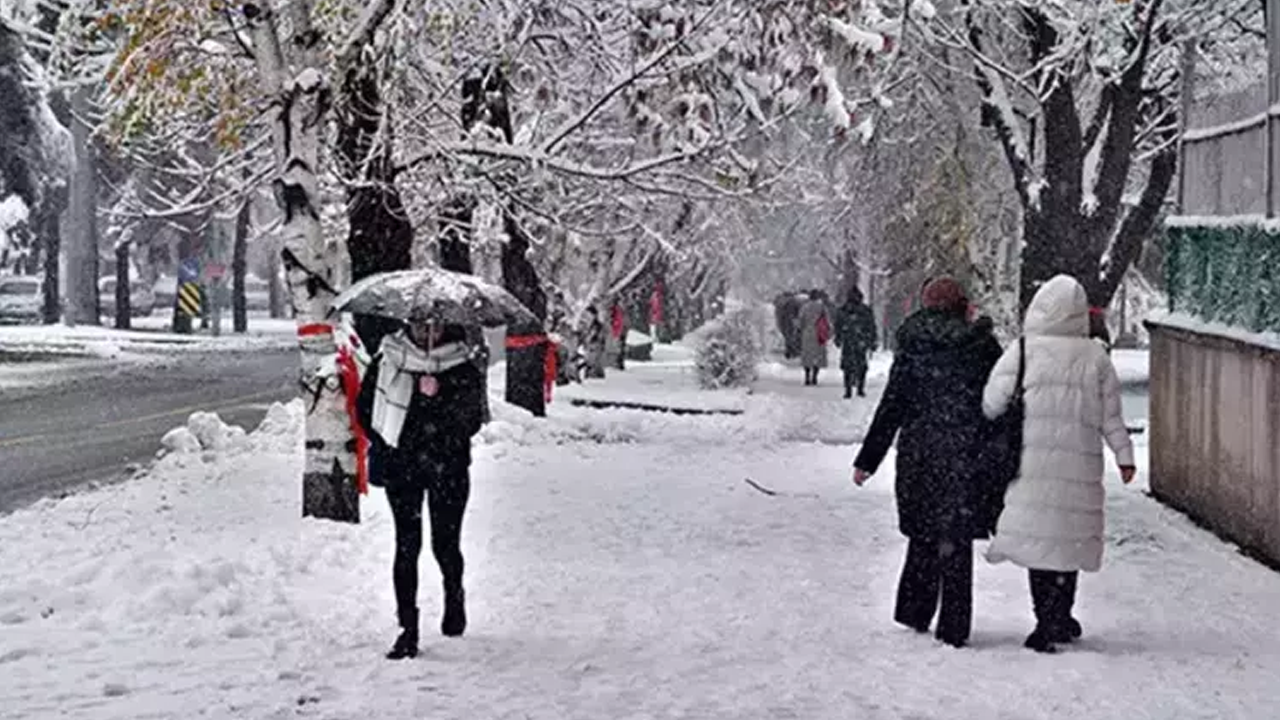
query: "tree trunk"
380, 238
526, 363
81, 222
49, 228
301, 94
239, 265
275, 294
124, 309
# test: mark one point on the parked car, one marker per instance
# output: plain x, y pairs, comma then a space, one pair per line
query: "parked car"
257, 293
21, 299
142, 300
163, 289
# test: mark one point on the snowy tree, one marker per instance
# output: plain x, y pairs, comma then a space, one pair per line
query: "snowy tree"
35, 161
1083, 100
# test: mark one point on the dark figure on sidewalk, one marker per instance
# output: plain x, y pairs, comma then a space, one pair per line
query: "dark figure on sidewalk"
421, 403
786, 313
933, 405
815, 333
856, 337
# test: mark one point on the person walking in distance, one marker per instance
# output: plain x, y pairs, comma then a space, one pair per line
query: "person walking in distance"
815, 332
856, 337
421, 402
933, 406
1052, 523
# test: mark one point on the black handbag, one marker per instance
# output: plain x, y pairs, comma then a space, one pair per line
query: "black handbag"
1006, 444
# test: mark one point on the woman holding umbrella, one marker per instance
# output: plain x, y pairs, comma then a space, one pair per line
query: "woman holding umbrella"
421, 402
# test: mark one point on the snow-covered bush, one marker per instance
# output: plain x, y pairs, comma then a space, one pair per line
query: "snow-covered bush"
730, 347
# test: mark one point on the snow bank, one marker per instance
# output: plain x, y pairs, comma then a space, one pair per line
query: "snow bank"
206, 432
109, 343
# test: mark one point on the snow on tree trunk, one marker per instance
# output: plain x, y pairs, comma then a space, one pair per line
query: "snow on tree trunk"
301, 101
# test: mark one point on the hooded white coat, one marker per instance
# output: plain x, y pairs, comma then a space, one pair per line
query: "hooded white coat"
1053, 515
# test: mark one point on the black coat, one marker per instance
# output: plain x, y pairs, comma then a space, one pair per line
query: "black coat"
855, 334
437, 432
933, 403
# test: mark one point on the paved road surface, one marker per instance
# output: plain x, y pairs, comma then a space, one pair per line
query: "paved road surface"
57, 439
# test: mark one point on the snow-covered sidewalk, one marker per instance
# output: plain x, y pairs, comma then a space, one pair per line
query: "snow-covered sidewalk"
619, 566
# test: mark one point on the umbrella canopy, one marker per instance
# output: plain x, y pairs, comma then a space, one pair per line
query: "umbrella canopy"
433, 294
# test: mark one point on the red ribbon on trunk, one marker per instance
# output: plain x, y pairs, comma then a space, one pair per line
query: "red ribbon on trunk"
350, 376
619, 322
549, 366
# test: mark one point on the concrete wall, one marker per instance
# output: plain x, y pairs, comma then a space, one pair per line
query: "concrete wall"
1215, 426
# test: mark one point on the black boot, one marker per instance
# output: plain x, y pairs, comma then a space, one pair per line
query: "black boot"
454, 623
406, 646
1041, 642
1067, 631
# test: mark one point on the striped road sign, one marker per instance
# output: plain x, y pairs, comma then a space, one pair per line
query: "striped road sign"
189, 299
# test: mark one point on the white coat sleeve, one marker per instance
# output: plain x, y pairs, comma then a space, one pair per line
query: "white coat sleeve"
1113, 428
999, 390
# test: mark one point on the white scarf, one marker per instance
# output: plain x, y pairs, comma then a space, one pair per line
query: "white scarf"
402, 363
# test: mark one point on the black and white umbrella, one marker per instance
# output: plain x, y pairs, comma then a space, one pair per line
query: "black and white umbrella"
433, 294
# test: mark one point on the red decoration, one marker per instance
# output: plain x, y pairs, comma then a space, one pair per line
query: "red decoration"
655, 304
550, 366
550, 369
349, 374
619, 324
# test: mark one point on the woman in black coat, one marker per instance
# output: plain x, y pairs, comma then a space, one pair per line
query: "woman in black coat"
933, 404
421, 402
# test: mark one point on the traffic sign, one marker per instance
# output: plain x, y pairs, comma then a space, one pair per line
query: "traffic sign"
189, 270
215, 271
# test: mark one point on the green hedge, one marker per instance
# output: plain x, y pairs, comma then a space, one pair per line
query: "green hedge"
1225, 274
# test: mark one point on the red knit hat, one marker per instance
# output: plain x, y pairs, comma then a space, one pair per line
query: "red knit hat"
944, 293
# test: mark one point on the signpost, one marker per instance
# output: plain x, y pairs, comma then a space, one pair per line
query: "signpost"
187, 297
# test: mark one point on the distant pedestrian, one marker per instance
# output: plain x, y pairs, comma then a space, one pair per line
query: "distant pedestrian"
421, 402
1053, 522
933, 405
815, 333
856, 337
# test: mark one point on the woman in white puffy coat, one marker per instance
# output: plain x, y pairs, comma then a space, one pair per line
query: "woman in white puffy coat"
1052, 522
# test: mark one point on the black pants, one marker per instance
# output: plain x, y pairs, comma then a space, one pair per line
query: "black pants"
855, 378
937, 572
446, 496
811, 376
1053, 594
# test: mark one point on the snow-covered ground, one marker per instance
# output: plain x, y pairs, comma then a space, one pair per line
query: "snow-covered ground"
150, 335
619, 566
40, 355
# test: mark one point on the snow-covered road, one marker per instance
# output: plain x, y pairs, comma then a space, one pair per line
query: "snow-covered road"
618, 567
